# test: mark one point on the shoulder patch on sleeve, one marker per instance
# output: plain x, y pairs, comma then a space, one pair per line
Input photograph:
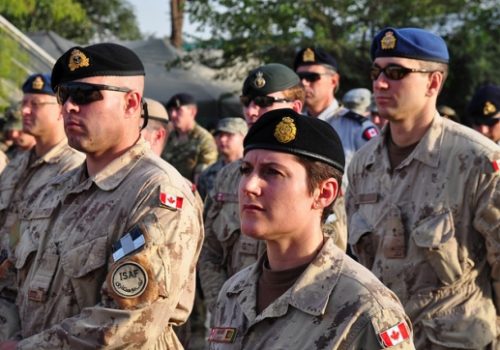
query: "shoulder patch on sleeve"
222, 335
170, 201
129, 280
130, 242
496, 165
370, 133
394, 335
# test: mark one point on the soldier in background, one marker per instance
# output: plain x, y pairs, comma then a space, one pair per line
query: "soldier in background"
26, 175
448, 112
422, 200
229, 135
190, 148
156, 131
358, 100
17, 140
484, 112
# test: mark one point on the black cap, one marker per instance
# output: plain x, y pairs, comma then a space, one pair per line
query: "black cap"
484, 108
272, 77
311, 55
38, 84
284, 130
179, 100
96, 60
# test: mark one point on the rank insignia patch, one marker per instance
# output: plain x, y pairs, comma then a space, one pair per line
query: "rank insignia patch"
222, 335
286, 130
388, 42
395, 335
129, 280
170, 201
77, 59
129, 243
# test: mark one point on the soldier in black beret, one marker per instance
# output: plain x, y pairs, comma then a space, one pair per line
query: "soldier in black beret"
484, 111
309, 288
108, 249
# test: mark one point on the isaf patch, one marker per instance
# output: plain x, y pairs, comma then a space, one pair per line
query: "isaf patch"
222, 335
129, 280
130, 242
395, 335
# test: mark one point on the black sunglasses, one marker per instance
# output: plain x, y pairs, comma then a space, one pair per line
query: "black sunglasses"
83, 93
311, 77
395, 71
261, 101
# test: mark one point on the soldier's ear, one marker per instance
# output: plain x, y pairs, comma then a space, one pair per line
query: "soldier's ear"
326, 192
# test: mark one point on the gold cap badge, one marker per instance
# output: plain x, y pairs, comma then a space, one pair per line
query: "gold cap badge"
259, 81
489, 108
388, 42
308, 55
77, 59
37, 83
285, 130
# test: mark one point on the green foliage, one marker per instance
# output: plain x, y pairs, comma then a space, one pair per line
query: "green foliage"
11, 73
273, 30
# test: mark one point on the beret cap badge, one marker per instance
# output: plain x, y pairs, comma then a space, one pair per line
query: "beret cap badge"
489, 108
285, 130
77, 59
308, 55
37, 83
259, 81
388, 42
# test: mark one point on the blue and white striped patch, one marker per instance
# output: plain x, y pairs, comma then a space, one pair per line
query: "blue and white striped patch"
129, 243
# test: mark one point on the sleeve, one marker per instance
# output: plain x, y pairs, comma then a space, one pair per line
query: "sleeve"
211, 268
145, 292
368, 130
207, 154
486, 220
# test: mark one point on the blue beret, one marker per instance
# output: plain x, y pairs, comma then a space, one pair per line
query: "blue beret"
412, 43
269, 78
485, 105
96, 60
311, 55
38, 84
179, 100
284, 130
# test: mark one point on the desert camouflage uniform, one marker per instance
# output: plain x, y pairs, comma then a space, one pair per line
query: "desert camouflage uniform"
225, 249
430, 231
191, 157
21, 179
3, 161
335, 304
207, 178
85, 279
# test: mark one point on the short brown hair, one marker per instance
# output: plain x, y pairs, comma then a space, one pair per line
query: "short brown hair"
316, 172
296, 92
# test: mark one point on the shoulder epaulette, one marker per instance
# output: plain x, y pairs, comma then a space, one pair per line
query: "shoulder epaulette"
355, 116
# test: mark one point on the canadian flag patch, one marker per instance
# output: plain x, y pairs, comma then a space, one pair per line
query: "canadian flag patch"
496, 165
170, 201
370, 133
395, 335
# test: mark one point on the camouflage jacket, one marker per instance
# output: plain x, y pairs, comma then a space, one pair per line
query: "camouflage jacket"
207, 178
430, 230
335, 304
225, 249
3, 161
191, 157
109, 261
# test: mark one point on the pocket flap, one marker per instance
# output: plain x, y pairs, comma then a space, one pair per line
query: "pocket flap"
86, 257
434, 231
358, 227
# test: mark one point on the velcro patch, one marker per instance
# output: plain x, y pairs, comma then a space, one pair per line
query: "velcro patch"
395, 335
222, 335
130, 242
129, 280
370, 133
496, 165
170, 201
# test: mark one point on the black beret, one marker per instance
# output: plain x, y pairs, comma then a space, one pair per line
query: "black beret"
38, 84
272, 77
485, 105
284, 130
412, 43
311, 55
179, 100
96, 60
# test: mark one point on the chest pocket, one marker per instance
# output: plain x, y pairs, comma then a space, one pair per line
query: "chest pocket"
436, 237
84, 258
363, 240
5, 196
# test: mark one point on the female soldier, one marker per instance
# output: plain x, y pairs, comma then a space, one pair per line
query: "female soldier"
303, 293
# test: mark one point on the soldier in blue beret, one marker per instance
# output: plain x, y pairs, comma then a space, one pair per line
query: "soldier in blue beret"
484, 111
422, 200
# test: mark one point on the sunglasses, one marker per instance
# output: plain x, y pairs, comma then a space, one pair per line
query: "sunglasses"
311, 77
261, 101
83, 93
394, 71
